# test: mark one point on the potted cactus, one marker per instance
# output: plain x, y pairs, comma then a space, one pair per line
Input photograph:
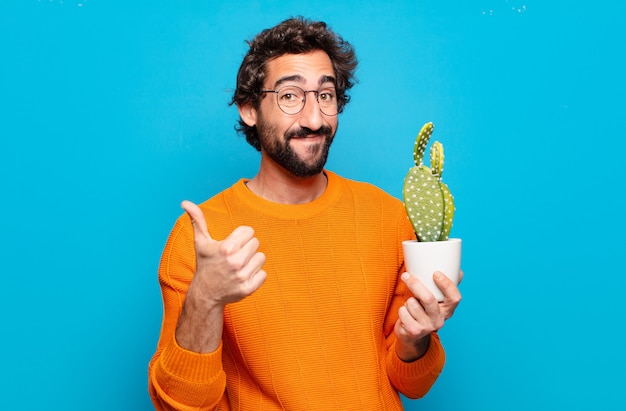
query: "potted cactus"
430, 208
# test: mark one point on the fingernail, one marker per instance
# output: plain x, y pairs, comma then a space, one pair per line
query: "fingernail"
405, 276
438, 275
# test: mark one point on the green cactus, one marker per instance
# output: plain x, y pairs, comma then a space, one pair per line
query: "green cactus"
428, 201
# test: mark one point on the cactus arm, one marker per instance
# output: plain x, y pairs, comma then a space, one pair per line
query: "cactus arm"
420, 143
436, 159
436, 163
448, 211
424, 203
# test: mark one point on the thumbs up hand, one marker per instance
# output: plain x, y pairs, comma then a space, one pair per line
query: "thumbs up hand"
226, 271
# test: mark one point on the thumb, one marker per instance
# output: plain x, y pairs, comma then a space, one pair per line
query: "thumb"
197, 219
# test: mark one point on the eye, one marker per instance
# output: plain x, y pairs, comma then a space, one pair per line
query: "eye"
290, 96
327, 96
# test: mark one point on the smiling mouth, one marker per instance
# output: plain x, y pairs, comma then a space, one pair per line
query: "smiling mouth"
308, 136
305, 133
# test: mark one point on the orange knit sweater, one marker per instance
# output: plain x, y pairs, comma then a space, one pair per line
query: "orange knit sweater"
318, 334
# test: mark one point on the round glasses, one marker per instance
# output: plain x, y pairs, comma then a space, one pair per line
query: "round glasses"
291, 99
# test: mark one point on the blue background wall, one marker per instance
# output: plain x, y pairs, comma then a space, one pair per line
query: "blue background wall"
113, 112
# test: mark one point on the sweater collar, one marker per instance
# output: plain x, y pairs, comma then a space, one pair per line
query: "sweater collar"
289, 211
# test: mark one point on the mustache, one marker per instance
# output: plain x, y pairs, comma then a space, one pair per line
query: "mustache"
306, 132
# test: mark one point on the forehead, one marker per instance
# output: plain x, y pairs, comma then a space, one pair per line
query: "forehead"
306, 68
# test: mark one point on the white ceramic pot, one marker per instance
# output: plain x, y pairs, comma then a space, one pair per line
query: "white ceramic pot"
422, 259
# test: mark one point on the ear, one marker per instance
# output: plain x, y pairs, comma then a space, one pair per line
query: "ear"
248, 114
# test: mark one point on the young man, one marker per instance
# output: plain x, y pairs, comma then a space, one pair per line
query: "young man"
287, 291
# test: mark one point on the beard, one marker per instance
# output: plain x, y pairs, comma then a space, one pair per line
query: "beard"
281, 152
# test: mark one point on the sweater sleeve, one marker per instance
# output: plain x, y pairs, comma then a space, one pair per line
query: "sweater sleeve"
179, 379
412, 379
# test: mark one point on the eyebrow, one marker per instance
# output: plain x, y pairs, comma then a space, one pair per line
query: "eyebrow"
299, 79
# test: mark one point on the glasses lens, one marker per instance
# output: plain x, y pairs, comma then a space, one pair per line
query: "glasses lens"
327, 98
291, 99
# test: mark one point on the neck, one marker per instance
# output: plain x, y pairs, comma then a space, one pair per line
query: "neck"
284, 188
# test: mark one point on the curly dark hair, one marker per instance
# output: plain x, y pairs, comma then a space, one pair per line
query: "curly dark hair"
292, 36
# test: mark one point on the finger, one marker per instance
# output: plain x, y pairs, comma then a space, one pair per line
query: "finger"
253, 274
417, 310
423, 307
460, 276
419, 290
257, 280
197, 218
252, 265
449, 290
410, 326
241, 237
257, 261
405, 320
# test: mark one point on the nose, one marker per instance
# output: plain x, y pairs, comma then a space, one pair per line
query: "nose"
311, 116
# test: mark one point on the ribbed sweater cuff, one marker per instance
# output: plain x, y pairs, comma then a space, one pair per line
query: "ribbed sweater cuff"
430, 363
191, 366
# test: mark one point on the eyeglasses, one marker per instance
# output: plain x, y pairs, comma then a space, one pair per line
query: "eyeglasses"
291, 99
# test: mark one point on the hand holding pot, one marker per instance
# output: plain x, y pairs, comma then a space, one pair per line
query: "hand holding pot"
423, 314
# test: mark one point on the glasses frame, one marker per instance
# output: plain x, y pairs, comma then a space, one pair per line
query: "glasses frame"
317, 98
